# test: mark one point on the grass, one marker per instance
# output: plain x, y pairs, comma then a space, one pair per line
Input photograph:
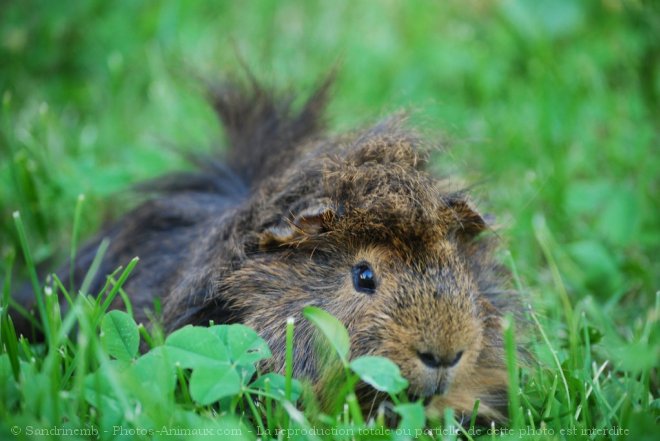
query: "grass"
552, 111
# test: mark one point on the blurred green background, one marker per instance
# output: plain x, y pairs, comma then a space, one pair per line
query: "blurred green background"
551, 108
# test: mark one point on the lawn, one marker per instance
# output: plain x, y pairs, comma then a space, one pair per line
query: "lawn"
550, 111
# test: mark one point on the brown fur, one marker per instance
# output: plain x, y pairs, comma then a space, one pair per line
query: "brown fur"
281, 226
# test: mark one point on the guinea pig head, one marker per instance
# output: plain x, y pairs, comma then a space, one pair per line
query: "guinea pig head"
389, 250
412, 294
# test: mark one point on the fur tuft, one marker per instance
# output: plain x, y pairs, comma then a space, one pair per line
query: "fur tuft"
263, 129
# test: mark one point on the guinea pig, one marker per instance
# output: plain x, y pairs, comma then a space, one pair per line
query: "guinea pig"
352, 223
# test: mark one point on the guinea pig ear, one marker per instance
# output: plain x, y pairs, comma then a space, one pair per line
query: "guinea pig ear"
469, 223
306, 223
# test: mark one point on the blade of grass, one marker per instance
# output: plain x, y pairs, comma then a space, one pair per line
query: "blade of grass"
449, 427
120, 282
80, 364
74, 239
9, 343
65, 293
32, 271
299, 418
6, 282
25, 346
466, 433
255, 413
183, 384
20, 309
550, 397
544, 238
146, 336
268, 404
473, 417
94, 267
288, 384
52, 306
354, 407
127, 301
510, 348
554, 357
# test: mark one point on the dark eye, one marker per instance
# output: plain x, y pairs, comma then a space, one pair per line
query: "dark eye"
364, 279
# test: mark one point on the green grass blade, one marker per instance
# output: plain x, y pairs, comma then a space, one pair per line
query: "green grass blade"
511, 350
288, 387
74, 239
94, 267
120, 282
32, 271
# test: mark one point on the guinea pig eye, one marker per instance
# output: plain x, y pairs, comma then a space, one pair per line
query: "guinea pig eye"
364, 279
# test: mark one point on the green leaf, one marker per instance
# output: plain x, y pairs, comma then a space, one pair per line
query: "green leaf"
245, 372
9, 393
412, 417
208, 384
245, 346
119, 335
277, 385
99, 393
195, 346
380, 373
154, 372
333, 330
203, 350
228, 427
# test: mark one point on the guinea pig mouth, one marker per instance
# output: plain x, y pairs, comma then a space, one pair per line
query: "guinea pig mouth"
429, 389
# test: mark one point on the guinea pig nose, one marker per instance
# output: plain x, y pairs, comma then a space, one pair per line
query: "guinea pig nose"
435, 361
430, 360
453, 361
